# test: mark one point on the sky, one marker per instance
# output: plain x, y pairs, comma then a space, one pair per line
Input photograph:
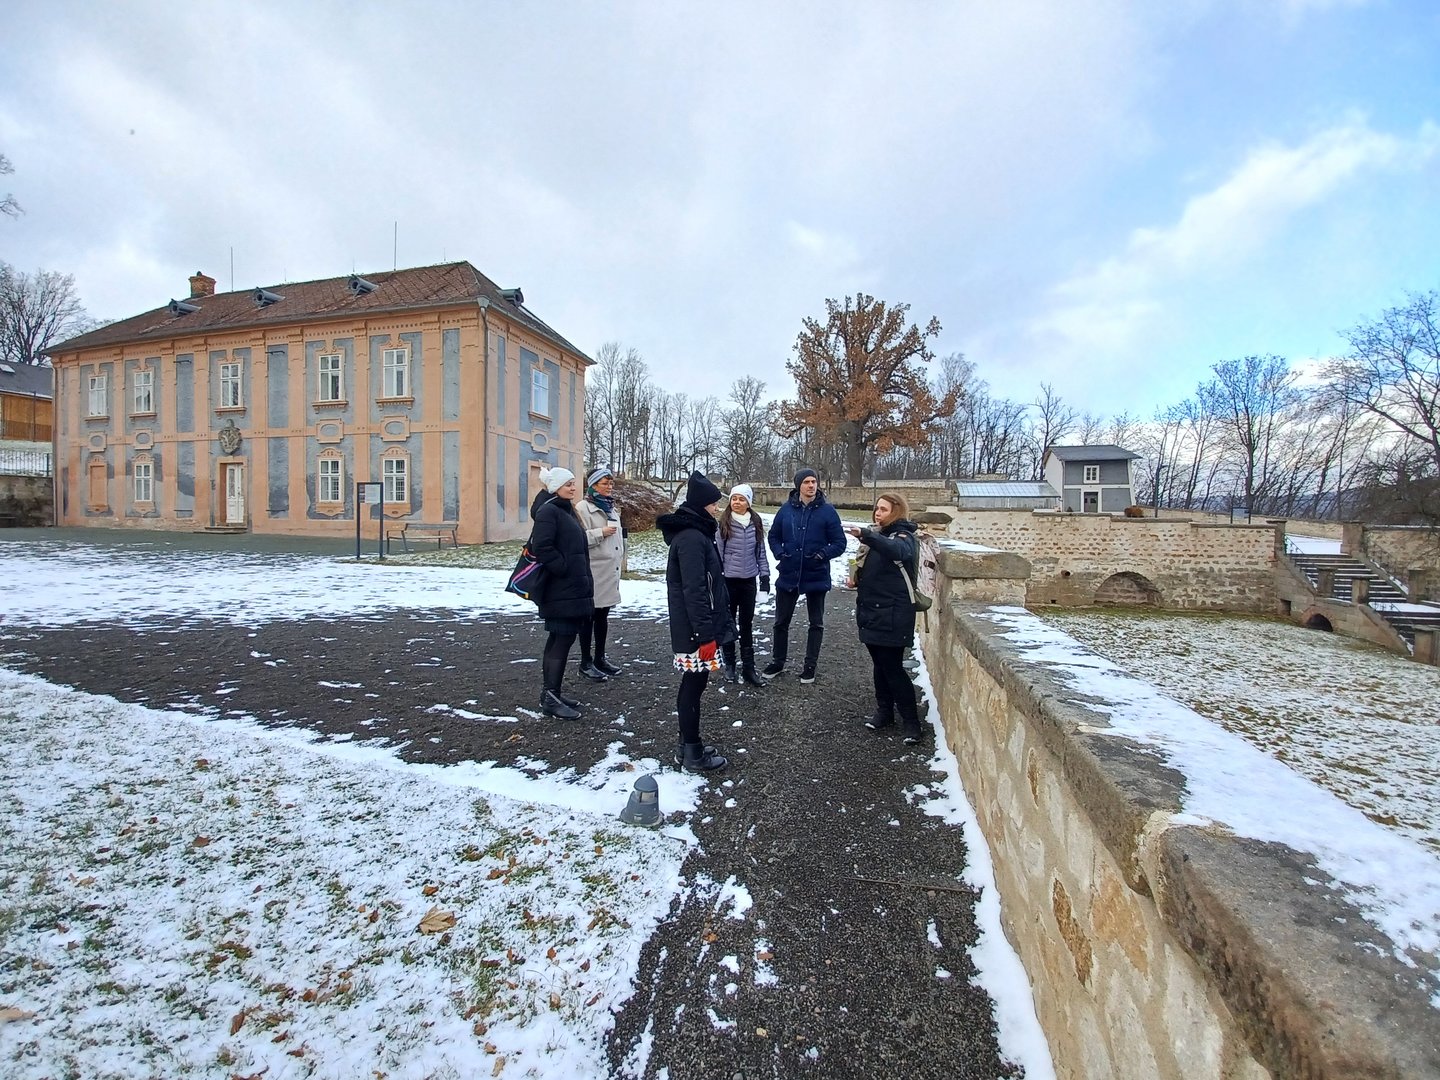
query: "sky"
192, 879
1104, 196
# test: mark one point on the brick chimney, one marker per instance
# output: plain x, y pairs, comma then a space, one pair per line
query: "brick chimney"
201, 285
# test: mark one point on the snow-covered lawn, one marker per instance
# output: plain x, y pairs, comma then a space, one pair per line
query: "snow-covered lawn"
188, 895
1354, 718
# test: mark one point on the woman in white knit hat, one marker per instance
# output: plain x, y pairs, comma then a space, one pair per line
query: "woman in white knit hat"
567, 596
601, 520
741, 540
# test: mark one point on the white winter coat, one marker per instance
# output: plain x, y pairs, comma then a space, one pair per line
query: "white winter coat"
605, 551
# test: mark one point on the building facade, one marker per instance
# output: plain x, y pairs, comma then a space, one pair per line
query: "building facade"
1091, 479
261, 410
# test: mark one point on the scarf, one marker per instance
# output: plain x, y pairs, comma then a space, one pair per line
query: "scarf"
743, 520
606, 505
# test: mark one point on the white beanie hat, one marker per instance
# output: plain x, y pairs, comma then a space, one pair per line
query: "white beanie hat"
743, 489
556, 478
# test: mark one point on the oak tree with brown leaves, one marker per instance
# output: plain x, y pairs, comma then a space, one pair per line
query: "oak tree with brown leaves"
860, 380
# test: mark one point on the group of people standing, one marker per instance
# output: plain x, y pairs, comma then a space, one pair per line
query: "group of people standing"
715, 572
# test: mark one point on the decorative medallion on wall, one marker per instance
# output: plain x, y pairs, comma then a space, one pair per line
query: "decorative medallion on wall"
229, 438
539, 441
97, 441
144, 439
328, 432
395, 429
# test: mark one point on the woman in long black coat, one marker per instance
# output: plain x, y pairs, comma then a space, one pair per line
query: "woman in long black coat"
567, 596
699, 612
885, 611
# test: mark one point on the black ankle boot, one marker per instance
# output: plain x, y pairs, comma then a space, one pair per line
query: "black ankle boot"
606, 666
749, 675
679, 756
701, 758
551, 704
884, 717
591, 672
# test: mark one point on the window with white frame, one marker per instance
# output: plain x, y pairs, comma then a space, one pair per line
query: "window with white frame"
143, 387
331, 480
98, 406
332, 386
230, 397
395, 472
1092, 474
397, 373
144, 474
539, 392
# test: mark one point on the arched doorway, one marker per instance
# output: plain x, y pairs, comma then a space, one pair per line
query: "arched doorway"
1127, 590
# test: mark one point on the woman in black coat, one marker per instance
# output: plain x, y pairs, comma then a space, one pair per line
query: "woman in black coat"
699, 612
567, 596
885, 610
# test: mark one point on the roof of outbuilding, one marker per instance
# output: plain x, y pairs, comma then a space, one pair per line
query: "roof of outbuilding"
27, 379
410, 289
1010, 489
1103, 452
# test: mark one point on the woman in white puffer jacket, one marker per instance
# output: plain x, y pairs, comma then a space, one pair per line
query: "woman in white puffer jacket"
601, 521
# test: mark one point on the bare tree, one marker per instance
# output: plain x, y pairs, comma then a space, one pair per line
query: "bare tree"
1054, 420
8, 206
1252, 395
745, 431
37, 311
1091, 429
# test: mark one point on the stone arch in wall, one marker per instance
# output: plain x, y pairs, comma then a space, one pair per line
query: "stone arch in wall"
1315, 621
1127, 589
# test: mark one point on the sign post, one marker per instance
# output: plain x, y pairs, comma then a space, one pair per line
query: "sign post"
369, 493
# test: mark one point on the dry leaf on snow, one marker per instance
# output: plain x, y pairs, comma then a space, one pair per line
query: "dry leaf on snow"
237, 1022
9, 1013
436, 921
430, 890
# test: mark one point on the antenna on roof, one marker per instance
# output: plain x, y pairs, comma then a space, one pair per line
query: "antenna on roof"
395, 250
232, 267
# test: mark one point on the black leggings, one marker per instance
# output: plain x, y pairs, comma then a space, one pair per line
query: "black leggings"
553, 660
893, 688
742, 613
687, 704
599, 625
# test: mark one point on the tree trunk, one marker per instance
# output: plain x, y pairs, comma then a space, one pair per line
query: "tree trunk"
854, 460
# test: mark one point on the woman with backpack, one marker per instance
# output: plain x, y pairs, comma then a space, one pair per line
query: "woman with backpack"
740, 536
885, 610
567, 598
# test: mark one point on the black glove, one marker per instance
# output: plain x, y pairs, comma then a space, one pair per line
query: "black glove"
765, 583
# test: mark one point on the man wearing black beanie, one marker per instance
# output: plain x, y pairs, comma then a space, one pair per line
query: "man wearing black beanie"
804, 537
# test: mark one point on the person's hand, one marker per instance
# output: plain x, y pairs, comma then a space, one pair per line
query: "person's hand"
765, 583
608, 530
853, 530
707, 651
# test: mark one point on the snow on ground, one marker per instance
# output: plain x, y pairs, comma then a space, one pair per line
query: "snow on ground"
1393, 879
1311, 545
185, 896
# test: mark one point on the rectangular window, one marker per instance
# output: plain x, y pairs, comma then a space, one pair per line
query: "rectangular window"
540, 392
98, 406
144, 482
397, 373
1092, 474
230, 397
330, 480
394, 472
144, 387
331, 387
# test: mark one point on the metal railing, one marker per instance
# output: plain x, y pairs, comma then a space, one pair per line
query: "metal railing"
26, 463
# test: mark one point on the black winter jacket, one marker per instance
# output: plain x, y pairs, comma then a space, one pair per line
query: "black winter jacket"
883, 609
559, 542
695, 581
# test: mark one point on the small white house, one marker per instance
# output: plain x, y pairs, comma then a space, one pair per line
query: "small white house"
1092, 479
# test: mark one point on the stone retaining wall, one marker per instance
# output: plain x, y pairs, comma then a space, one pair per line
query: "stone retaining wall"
1410, 553
1155, 948
27, 500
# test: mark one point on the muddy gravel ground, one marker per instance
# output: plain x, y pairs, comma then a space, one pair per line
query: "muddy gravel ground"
853, 960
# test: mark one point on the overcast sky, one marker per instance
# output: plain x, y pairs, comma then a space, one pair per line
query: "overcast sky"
1103, 195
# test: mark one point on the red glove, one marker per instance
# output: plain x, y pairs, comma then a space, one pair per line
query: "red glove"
707, 651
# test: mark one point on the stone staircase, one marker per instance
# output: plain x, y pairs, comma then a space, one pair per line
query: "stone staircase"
1406, 616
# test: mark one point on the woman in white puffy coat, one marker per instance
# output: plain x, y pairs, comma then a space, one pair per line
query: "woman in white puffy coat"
601, 520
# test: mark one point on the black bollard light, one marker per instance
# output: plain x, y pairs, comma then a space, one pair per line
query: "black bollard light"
644, 805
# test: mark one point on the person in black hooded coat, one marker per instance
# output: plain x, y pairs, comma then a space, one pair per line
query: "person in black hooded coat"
885, 610
567, 595
699, 611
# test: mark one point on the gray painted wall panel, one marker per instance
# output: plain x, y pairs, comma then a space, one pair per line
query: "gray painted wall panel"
450, 376
277, 366
185, 479
185, 394
499, 468
277, 480
500, 382
450, 454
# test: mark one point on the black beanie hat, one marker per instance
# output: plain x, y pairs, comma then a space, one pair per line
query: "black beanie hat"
802, 474
700, 492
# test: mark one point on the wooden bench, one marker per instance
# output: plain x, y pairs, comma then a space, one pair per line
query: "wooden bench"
416, 530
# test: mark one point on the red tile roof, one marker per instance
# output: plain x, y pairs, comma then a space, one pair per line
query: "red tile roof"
396, 290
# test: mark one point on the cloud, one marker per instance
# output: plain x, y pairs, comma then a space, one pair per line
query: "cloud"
1117, 303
